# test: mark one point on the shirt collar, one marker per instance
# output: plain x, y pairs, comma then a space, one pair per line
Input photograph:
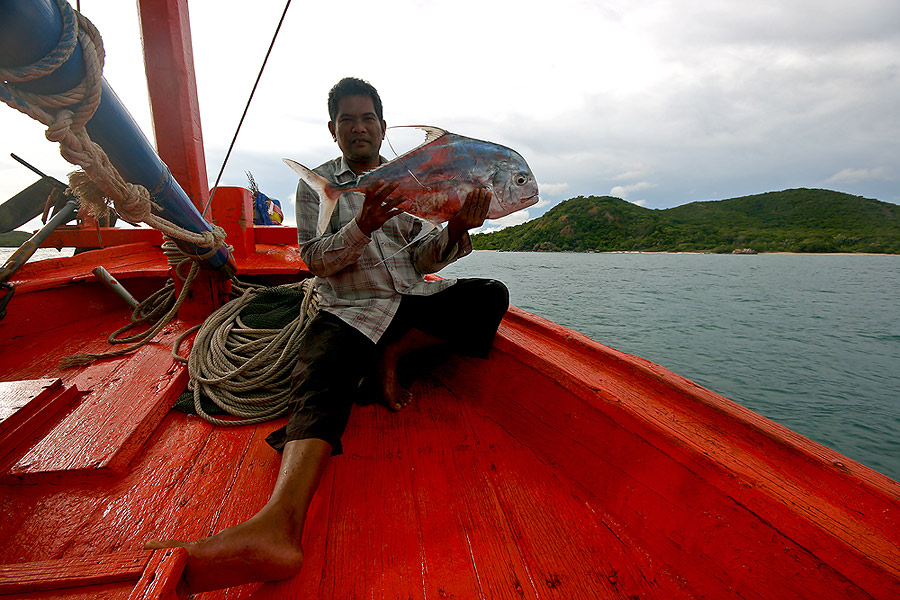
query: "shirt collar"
345, 172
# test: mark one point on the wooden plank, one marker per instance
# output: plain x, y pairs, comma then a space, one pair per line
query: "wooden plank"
439, 439
128, 398
499, 505
372, 515
28, 577
276, 235
675, 502
819, 494
84, 237
105, 515
183, 502
15, 395
161, 579
27, 406
44, 322
565, 536
672, 511
107, 591
45, 274
272, 259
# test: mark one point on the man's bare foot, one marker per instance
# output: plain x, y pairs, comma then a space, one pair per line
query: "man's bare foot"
395, 397
261, 549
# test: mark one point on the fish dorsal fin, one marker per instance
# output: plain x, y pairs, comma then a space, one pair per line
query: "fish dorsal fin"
431, 132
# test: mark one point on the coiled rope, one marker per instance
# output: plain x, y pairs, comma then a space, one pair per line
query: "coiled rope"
244, 370
66, 115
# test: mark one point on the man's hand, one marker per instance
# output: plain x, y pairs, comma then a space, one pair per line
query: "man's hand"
378, 206
472, 214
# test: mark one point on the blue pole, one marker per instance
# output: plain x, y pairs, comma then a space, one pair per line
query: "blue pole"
29, 30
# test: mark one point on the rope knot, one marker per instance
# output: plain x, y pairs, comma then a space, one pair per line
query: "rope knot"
61, 128
135, 205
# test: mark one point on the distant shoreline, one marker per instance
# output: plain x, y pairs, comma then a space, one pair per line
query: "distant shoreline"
695, 252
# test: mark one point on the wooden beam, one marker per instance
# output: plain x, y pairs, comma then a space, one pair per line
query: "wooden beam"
169, 62
21, 578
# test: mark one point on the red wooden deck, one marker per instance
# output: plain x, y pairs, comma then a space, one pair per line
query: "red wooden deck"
558, 468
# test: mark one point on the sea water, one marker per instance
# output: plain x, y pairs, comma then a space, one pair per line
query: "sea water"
810, 341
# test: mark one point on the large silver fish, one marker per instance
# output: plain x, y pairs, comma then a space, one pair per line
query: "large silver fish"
437, 176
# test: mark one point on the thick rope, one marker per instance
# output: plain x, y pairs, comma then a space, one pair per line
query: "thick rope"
158, 310
246, 371
161, 306
66, 115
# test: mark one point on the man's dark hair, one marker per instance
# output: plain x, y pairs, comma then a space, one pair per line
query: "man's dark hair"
351, 86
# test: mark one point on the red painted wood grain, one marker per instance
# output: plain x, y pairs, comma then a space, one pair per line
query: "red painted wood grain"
558, 468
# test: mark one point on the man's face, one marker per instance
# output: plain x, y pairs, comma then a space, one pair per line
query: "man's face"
358, 130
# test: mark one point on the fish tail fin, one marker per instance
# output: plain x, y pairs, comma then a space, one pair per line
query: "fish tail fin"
328, 194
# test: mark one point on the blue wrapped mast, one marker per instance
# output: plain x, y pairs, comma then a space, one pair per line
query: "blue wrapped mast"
36, 31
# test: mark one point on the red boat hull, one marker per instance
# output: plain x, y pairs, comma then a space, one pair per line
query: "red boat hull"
556, 468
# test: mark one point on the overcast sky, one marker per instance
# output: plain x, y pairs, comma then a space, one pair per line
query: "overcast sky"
658, 102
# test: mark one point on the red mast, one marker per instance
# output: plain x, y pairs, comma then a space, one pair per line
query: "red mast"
166, 29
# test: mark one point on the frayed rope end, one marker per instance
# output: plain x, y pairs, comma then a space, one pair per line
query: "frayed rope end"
77, 360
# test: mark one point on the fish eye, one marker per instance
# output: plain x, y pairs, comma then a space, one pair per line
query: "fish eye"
521, 179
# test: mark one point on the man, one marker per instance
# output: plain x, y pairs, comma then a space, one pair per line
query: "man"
375, 307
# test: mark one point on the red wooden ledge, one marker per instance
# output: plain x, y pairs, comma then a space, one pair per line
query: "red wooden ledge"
63, 573
26, 405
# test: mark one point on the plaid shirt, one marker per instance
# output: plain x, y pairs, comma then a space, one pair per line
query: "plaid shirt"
351, 283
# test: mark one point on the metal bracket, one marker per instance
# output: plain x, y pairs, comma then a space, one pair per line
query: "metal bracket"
11, 289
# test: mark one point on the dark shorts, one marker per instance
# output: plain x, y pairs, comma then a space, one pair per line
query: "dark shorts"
334, 357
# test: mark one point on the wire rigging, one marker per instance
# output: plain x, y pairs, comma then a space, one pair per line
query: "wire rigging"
246, 108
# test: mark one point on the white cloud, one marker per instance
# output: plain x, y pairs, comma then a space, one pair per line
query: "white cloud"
622, 191
706, 99
857, 175
553, 189
633, 173
516, 218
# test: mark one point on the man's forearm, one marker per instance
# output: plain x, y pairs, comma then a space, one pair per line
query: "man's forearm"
326, 255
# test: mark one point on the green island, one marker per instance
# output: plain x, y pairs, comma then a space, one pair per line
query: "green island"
796, 220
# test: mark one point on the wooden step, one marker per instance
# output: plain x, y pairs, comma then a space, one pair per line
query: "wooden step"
27, 405
121, 399
22, 578
141, 575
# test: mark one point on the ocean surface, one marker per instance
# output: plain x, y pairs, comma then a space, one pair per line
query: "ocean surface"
810, 341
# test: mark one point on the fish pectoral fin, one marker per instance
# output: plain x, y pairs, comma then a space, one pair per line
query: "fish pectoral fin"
427, 227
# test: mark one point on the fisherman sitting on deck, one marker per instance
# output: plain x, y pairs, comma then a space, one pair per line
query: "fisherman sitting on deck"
375, 307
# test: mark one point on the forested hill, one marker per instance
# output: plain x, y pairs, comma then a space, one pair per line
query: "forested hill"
799, 220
